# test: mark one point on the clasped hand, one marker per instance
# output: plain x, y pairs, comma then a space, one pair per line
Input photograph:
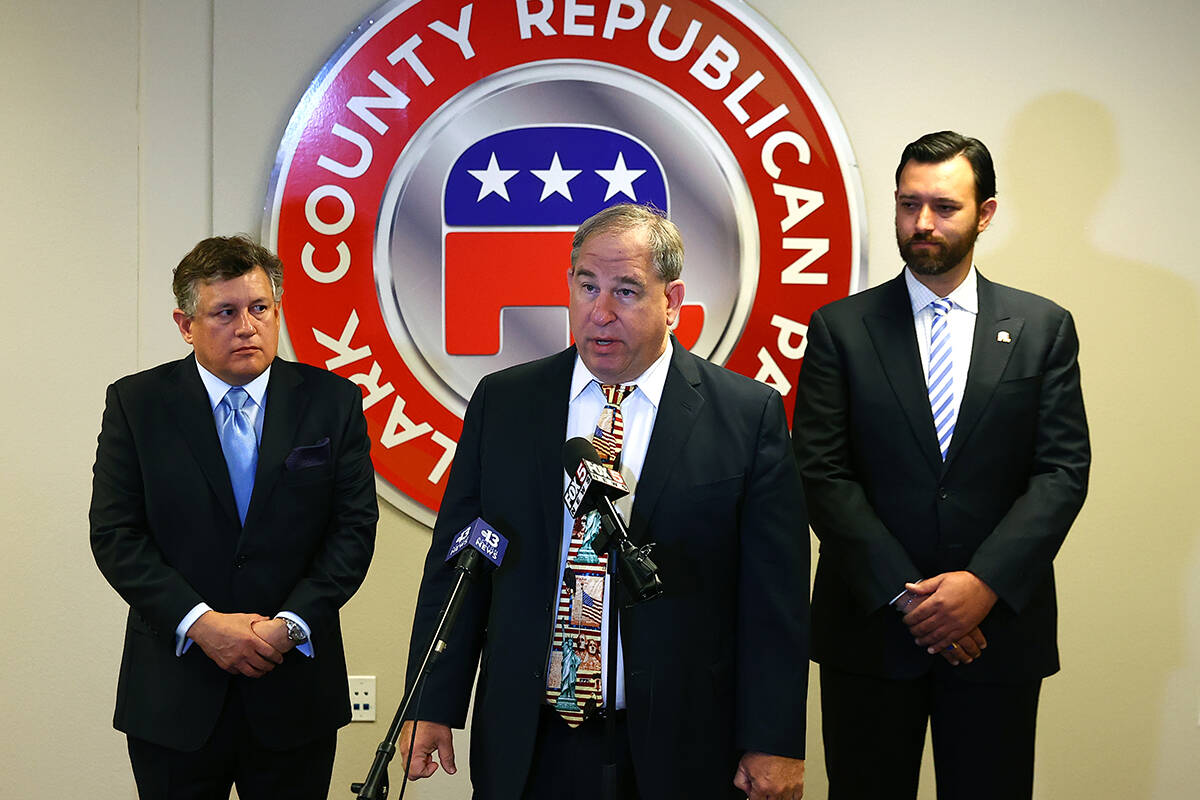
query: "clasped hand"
241, 644
944, 613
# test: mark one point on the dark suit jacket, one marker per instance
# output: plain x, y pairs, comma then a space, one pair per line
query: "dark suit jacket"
888, 510
166, 535
713, 667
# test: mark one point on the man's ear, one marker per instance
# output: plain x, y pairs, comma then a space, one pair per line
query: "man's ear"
185, 324
674, 301
986, 212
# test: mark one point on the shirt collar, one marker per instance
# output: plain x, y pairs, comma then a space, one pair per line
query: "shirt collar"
650, 383
217, 388
964, 296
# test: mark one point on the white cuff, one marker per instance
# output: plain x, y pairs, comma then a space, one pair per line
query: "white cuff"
182, 642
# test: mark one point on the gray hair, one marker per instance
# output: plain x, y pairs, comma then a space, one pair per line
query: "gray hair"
666, 245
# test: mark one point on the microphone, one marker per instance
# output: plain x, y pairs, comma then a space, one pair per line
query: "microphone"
478, 548
590, 480
594, 486
483, 541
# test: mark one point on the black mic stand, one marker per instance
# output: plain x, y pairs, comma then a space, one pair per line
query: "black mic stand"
631, 571
375, 787
609, 782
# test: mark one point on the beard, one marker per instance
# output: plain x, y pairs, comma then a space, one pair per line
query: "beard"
944, 256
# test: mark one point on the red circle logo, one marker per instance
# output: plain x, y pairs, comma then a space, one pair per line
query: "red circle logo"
429, 182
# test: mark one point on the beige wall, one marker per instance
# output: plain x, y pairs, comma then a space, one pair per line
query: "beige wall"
132, 129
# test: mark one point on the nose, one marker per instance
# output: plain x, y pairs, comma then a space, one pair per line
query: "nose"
602, 309
925, 219
245, 325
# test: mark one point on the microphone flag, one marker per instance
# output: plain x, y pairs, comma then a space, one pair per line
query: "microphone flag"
481, 537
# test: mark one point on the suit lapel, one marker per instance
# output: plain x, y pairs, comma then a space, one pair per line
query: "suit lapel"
548, 427
286, 404
677, 411
989, 356
194, 415
895, 341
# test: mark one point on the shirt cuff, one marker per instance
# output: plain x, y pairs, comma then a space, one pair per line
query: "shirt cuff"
182, 642
306, 646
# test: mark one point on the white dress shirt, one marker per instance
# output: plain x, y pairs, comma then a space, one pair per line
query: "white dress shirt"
638, 412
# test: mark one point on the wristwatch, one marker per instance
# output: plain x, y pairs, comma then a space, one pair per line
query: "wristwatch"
295, 633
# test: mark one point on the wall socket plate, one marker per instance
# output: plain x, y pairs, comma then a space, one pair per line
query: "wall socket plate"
362, 698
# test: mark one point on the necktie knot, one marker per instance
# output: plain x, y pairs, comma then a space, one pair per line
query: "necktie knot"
615, 393
236, 397
941, 307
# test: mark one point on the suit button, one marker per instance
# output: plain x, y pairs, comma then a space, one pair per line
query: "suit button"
239, 562
537, 674
943, 494
549, 607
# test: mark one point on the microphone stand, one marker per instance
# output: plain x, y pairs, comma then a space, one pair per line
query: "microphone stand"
609, 783
626, 565
375, 787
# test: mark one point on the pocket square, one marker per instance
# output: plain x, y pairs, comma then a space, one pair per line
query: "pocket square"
310, 455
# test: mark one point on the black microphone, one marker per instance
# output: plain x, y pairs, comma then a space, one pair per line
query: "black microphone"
590, 480
595, 486
483, 541
476, 546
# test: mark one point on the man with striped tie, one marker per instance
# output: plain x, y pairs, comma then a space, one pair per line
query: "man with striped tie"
942, 440
706, 698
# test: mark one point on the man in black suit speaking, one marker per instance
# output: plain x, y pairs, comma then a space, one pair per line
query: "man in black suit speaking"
233, 508
941, 435
710, 692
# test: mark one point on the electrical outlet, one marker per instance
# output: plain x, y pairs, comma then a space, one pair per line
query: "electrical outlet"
362, 698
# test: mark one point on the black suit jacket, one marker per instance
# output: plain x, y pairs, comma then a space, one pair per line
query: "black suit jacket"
888, 510
716, 665
165, 533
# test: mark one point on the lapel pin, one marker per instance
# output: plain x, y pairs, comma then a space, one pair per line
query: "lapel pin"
1003, 336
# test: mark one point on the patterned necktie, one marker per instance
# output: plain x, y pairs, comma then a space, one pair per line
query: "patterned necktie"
941, 382
240, 446
574, 678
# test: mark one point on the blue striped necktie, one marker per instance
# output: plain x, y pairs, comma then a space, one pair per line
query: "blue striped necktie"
941, 382
240, 446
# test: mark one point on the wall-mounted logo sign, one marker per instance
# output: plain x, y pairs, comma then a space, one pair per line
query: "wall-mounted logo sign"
429, 181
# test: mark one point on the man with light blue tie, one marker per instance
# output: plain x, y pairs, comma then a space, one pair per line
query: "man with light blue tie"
943, 444
234, 509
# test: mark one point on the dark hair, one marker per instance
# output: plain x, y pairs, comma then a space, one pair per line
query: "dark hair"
934, 148
220, 258
666, 245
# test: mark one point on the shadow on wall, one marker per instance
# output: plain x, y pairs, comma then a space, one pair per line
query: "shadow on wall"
1124, 570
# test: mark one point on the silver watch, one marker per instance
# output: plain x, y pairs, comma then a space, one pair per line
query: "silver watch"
295, 633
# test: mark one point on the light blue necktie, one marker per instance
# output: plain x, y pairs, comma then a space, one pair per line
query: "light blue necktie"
941, 382
240, 447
